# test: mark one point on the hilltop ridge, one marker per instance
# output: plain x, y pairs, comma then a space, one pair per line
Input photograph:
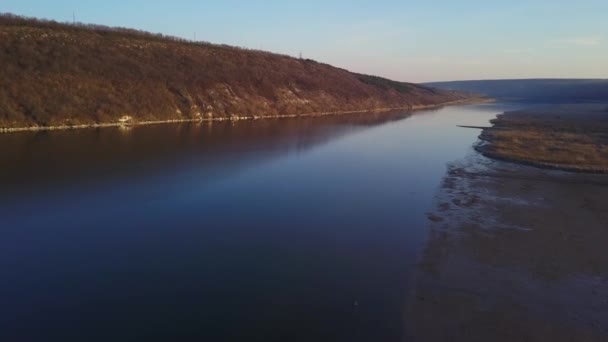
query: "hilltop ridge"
553, 90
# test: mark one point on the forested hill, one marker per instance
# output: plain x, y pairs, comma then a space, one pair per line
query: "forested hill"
56, 74
535, 90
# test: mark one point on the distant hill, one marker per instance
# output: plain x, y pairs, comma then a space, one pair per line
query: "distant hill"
535, 90
56, 74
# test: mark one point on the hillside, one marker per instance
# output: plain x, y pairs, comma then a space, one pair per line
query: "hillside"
535, 90
66, 75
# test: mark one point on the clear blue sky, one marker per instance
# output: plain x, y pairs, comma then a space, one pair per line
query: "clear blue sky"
405, 40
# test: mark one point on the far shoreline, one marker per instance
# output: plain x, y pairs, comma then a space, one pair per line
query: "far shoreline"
239, 118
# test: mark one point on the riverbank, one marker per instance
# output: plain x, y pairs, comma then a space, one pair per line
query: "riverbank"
568, 137
131, 123
515, 253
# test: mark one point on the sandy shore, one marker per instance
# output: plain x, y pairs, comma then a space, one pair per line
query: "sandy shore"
235, 118
515, 253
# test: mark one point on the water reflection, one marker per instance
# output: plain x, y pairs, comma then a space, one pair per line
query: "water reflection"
32, 160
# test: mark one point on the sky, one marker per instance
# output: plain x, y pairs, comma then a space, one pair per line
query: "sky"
415, 41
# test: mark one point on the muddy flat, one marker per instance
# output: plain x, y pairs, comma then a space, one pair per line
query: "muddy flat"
515, 253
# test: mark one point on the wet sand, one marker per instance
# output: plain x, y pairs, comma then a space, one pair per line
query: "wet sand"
515, 253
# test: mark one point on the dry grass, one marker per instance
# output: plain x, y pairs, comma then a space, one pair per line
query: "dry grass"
570, 138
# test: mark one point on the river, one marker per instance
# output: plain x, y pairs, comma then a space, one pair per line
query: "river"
290, 229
